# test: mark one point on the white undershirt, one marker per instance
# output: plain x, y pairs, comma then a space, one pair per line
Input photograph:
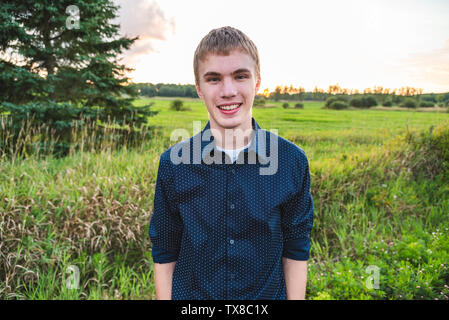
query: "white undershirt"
233, 153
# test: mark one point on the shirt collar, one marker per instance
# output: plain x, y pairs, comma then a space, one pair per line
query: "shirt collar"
254, 145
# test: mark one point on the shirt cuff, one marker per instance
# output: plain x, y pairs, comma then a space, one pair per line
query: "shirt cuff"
162, 256
297, 249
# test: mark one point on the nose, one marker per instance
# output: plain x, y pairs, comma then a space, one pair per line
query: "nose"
228, 89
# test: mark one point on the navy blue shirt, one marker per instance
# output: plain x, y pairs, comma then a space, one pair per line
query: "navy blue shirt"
228, 225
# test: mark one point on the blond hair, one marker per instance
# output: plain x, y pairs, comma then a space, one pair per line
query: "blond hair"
222, 41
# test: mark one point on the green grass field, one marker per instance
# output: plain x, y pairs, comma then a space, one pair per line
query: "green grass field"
381, 216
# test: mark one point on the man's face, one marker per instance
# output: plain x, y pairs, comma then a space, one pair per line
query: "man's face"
227, 85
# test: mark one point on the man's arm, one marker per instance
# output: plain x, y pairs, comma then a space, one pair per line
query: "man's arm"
163, 277
295, 274
166, 229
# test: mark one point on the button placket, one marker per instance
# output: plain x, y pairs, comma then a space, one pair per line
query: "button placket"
232, 204
228, 229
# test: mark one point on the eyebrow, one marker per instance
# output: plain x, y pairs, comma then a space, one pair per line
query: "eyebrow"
215, 74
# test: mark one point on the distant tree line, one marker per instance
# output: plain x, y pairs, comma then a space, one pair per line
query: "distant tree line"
166, 90
367, 98
364, 101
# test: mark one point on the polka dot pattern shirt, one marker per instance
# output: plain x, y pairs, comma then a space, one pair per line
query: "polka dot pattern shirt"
228, 224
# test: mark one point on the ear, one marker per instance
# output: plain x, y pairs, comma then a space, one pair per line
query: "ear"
258, 84
198, 91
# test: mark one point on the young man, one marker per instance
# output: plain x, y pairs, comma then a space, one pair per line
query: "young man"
232, 218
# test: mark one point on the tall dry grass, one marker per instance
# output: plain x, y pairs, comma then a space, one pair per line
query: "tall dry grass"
85, 135
55, 211
380, 206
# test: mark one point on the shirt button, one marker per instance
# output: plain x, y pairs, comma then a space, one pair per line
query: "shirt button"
233, 171
232, 206
231, 241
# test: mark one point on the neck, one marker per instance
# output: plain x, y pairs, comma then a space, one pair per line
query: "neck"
232, 138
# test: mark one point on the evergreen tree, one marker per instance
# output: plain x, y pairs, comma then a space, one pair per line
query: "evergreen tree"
60, 60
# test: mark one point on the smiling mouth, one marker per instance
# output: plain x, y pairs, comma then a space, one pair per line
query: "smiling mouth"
230, 106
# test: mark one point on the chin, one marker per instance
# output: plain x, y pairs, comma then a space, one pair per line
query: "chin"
229, 124
234, 123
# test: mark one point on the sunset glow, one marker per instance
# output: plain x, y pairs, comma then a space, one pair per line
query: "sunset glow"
355, 44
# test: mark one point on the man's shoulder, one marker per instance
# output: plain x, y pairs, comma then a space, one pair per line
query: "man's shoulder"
178, 148
286, 147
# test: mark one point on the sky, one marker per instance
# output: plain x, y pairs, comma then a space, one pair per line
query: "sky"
356, 44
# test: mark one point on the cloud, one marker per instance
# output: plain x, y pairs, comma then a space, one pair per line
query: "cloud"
146, 20
429, 69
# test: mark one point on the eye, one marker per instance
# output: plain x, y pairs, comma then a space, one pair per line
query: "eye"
242, 77
214, 79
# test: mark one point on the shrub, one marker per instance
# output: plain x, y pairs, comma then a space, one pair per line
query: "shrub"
299, 105
387, 103
333, 99
409, 103
343, 97
338, 105
426, 104
329, 101
356, 102
259, 102
397, 100
177, 105
431, 151
431, 98
364, 102
369, 101
285, 105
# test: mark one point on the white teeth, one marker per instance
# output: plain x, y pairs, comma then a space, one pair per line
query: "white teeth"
231, 107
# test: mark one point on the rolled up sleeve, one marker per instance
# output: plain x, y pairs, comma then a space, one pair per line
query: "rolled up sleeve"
297, 214
165, 226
